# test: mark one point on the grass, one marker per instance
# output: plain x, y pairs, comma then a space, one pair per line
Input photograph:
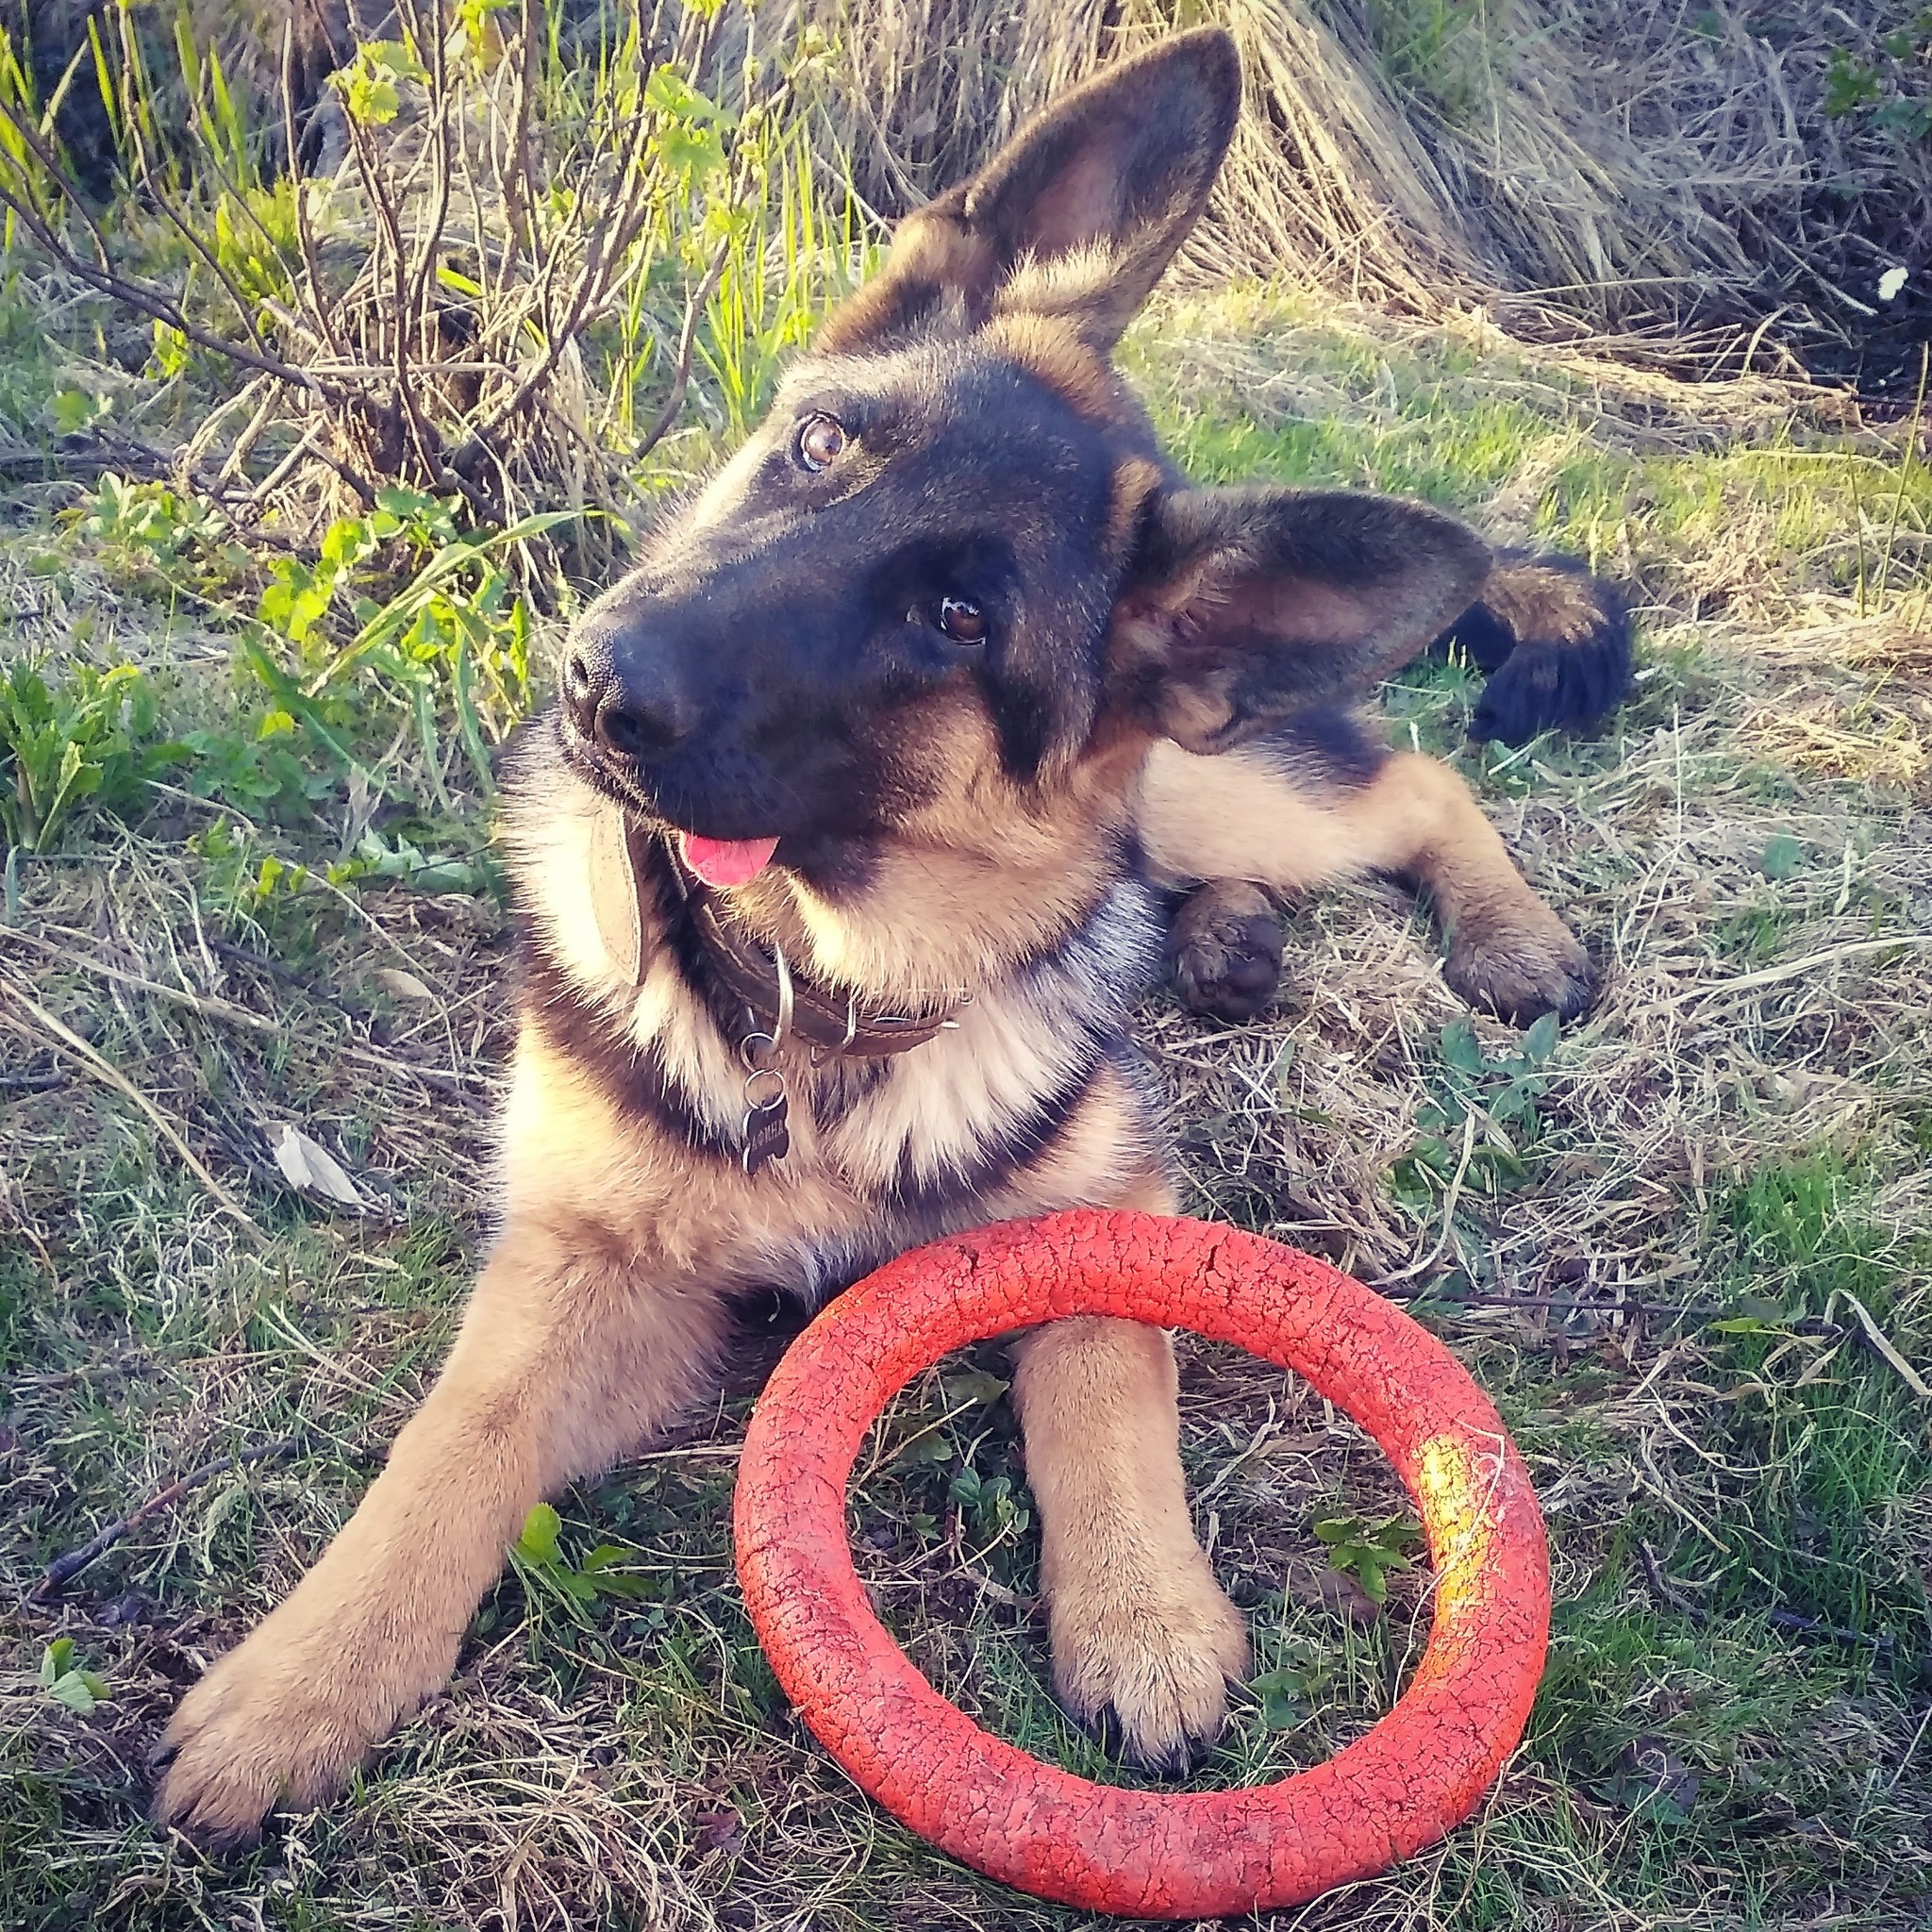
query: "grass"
1662, 1253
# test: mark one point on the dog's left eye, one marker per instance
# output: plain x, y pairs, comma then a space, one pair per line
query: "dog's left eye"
962, 619
821, 440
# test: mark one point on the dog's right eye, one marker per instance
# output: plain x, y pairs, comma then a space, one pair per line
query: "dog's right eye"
821, 440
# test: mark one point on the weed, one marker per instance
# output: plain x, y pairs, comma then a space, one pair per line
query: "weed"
1472, 1089
1368, 1551
1298, 1673
68, 1681
87, 743
452, 642
538, 1558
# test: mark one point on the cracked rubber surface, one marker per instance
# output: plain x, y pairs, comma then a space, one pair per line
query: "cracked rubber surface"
1146, 1853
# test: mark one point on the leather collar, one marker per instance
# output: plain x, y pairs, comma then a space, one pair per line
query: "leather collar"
779, 1003
784, 1005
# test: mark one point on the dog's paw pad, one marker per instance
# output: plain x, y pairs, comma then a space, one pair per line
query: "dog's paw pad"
1224, 951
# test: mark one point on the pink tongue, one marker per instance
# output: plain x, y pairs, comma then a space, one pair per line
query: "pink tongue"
726, 862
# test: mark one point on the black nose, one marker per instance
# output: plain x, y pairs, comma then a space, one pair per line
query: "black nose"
631, 717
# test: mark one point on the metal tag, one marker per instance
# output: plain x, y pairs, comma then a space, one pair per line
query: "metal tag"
766, 1135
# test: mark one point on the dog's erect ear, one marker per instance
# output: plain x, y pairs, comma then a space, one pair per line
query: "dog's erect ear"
1078, 215
1244, 606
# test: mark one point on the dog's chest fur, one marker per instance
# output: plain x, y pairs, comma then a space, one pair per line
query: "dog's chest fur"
1030, 1099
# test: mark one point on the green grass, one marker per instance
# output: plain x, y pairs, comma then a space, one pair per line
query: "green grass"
1732, 1729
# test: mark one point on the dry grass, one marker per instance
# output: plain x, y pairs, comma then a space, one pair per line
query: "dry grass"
1622, 169
1739, 1129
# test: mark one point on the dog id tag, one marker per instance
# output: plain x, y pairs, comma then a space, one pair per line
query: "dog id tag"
766, 1135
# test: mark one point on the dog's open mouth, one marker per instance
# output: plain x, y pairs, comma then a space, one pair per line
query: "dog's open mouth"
726, 862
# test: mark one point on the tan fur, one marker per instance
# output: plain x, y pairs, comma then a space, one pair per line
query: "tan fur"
1071, 285
1053, 351
1535, 601
1241, 816
1139, 1624
1134, 482
930, 246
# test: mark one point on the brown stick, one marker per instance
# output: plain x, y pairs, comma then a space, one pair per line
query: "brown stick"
63, 1568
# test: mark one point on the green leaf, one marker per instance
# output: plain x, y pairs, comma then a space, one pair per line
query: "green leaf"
72, 1690
627, 1587
1539, 1043
371, 99
1783, 856
1283, 1694
1397, 1533
539, 1539
1461, 1049
671, 95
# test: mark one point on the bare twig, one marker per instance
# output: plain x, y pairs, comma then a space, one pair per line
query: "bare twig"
63, 1569
31, 1083
680, 379
305, 233
1811, 1626
151, 301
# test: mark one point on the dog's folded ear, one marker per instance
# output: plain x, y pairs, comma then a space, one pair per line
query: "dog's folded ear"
1244, 606
1076, 216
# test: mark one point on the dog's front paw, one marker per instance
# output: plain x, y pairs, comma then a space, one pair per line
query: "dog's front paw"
282, 1719
1224, 951
1520, 964
1146, 1667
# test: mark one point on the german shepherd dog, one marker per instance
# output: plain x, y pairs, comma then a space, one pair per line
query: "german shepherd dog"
844, 856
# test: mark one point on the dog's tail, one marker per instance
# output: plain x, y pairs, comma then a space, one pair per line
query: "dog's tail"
1552, 642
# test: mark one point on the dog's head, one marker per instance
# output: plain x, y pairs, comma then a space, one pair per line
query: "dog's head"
951, 579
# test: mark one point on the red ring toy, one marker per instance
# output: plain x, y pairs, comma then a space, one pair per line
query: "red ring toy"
1420, 1772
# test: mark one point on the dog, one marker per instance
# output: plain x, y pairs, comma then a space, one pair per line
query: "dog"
842, 857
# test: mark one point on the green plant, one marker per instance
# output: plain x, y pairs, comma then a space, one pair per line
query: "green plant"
1286, 1689
1892, 90
996, 1507
240, 879
396, 857
88, 740
538, 1557
149, 518
1368, 1551
1481, 1116
452, 640
68, 1681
